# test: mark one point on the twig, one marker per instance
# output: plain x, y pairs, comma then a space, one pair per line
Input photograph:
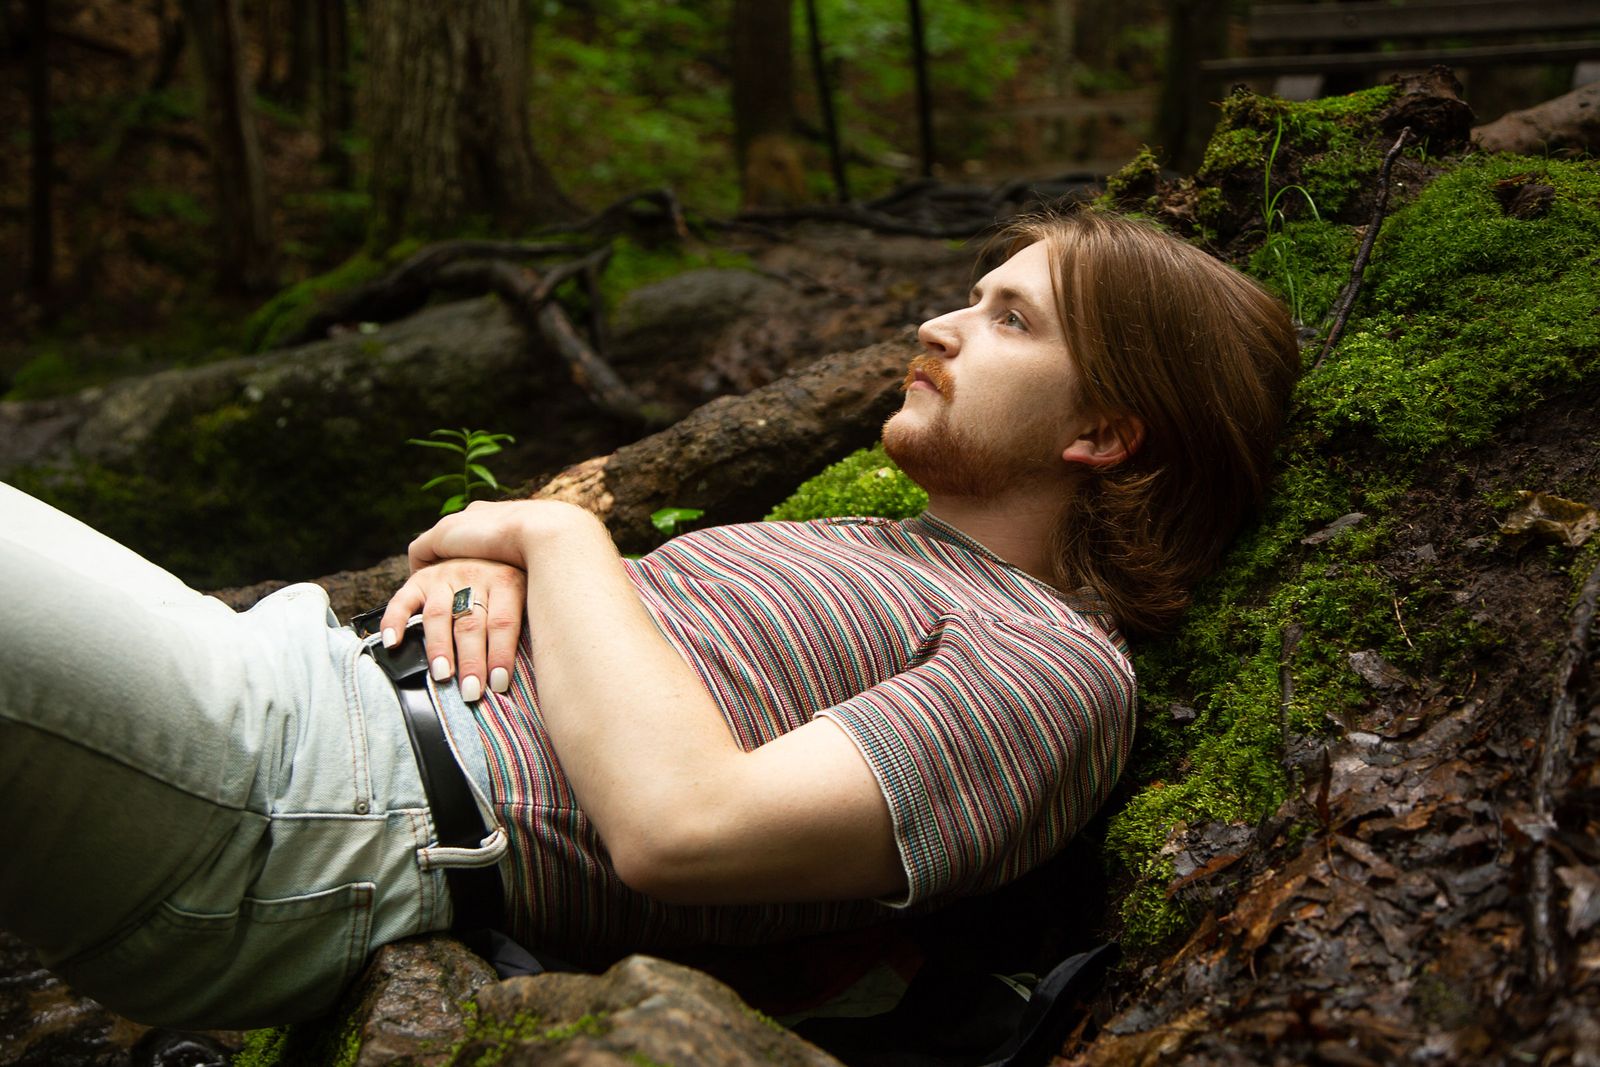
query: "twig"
611, 218
1552, 768
519, 287
1291, 642
1400, 622
867, 218
1352, 289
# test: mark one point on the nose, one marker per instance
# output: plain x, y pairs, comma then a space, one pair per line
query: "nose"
939, 335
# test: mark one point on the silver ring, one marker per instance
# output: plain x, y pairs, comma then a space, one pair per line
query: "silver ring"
463, 602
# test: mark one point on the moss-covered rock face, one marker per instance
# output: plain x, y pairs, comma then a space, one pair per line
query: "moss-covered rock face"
293, 464
1469, 316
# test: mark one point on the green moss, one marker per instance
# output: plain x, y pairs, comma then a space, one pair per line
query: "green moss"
1133, 188
325, 1042
633, 265
1469, 315
863, 483
262, 1048
639, 1059
489, 1039
1325, 147
1307, 263
286, 312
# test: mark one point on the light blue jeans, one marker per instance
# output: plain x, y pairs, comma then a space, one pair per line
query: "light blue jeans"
209, 818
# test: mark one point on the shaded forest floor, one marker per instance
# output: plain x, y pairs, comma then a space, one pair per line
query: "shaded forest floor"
1382, 914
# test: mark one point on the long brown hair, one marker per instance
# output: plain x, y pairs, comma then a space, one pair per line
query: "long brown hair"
1201, 354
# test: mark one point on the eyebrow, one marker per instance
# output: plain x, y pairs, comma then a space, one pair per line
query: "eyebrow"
1011, 295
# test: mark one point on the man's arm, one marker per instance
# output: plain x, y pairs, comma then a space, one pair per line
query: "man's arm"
686, 815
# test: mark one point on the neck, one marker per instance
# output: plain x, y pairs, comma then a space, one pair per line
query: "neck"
1018, 529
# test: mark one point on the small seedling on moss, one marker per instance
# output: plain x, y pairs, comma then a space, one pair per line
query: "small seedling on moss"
471, 446
1279, 243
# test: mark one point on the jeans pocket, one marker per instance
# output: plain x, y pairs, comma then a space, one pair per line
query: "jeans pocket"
270, 961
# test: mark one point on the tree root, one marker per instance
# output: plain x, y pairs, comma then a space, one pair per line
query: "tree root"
1543, 957
928, 208
407, 287
528, 296
1352, 289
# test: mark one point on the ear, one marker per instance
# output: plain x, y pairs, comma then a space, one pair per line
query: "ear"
1106, 440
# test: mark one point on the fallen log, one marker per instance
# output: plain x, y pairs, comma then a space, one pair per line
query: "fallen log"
1569, 123
734, 458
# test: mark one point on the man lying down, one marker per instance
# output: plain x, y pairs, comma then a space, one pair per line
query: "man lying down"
753, 733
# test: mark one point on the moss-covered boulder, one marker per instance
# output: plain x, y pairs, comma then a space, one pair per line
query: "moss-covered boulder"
291, 464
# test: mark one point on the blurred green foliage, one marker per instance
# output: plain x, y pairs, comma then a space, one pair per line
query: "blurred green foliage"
634, 94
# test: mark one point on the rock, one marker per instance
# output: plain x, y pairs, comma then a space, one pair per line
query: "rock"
1334, 528
412, 1001
642, 1010
682, 316
294, 463
1379, 672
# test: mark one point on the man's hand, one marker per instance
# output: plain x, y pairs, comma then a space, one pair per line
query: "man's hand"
482, 644
503, 531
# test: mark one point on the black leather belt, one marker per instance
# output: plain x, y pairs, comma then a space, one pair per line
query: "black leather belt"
475, 892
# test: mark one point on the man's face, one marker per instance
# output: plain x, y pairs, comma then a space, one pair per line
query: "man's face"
992, 402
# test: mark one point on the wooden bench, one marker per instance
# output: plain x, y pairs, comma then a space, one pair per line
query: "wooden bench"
1296, 37
1300, 44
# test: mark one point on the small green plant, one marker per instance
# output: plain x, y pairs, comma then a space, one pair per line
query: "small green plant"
667, 520
1280, 246
471, 446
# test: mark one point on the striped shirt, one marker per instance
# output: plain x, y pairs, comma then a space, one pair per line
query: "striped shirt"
994, 712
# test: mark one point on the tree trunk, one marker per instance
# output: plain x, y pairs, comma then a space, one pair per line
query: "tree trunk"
333, 93
41, 261
767, 151
447, 109
302, 53
245, 244
1196, 30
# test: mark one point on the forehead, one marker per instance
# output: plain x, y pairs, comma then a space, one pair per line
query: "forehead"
1027, 276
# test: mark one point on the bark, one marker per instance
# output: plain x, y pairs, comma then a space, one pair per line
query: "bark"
447, 110
245, 245
334, 106
41, 262
767, 151
302, 53
1569, 123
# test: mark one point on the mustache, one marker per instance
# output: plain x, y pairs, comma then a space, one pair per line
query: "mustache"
932, 369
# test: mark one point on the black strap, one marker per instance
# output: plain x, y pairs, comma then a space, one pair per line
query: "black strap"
475, 892
958, 1016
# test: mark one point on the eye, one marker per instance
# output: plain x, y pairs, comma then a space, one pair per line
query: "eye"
1015, 321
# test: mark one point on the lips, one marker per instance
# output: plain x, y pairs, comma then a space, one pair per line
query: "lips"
928, 371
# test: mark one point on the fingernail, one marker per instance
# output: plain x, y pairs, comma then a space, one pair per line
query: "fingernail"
471, 688
499, 679
390, 638
441, 669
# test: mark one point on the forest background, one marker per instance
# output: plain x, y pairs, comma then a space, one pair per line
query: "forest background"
202, 156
